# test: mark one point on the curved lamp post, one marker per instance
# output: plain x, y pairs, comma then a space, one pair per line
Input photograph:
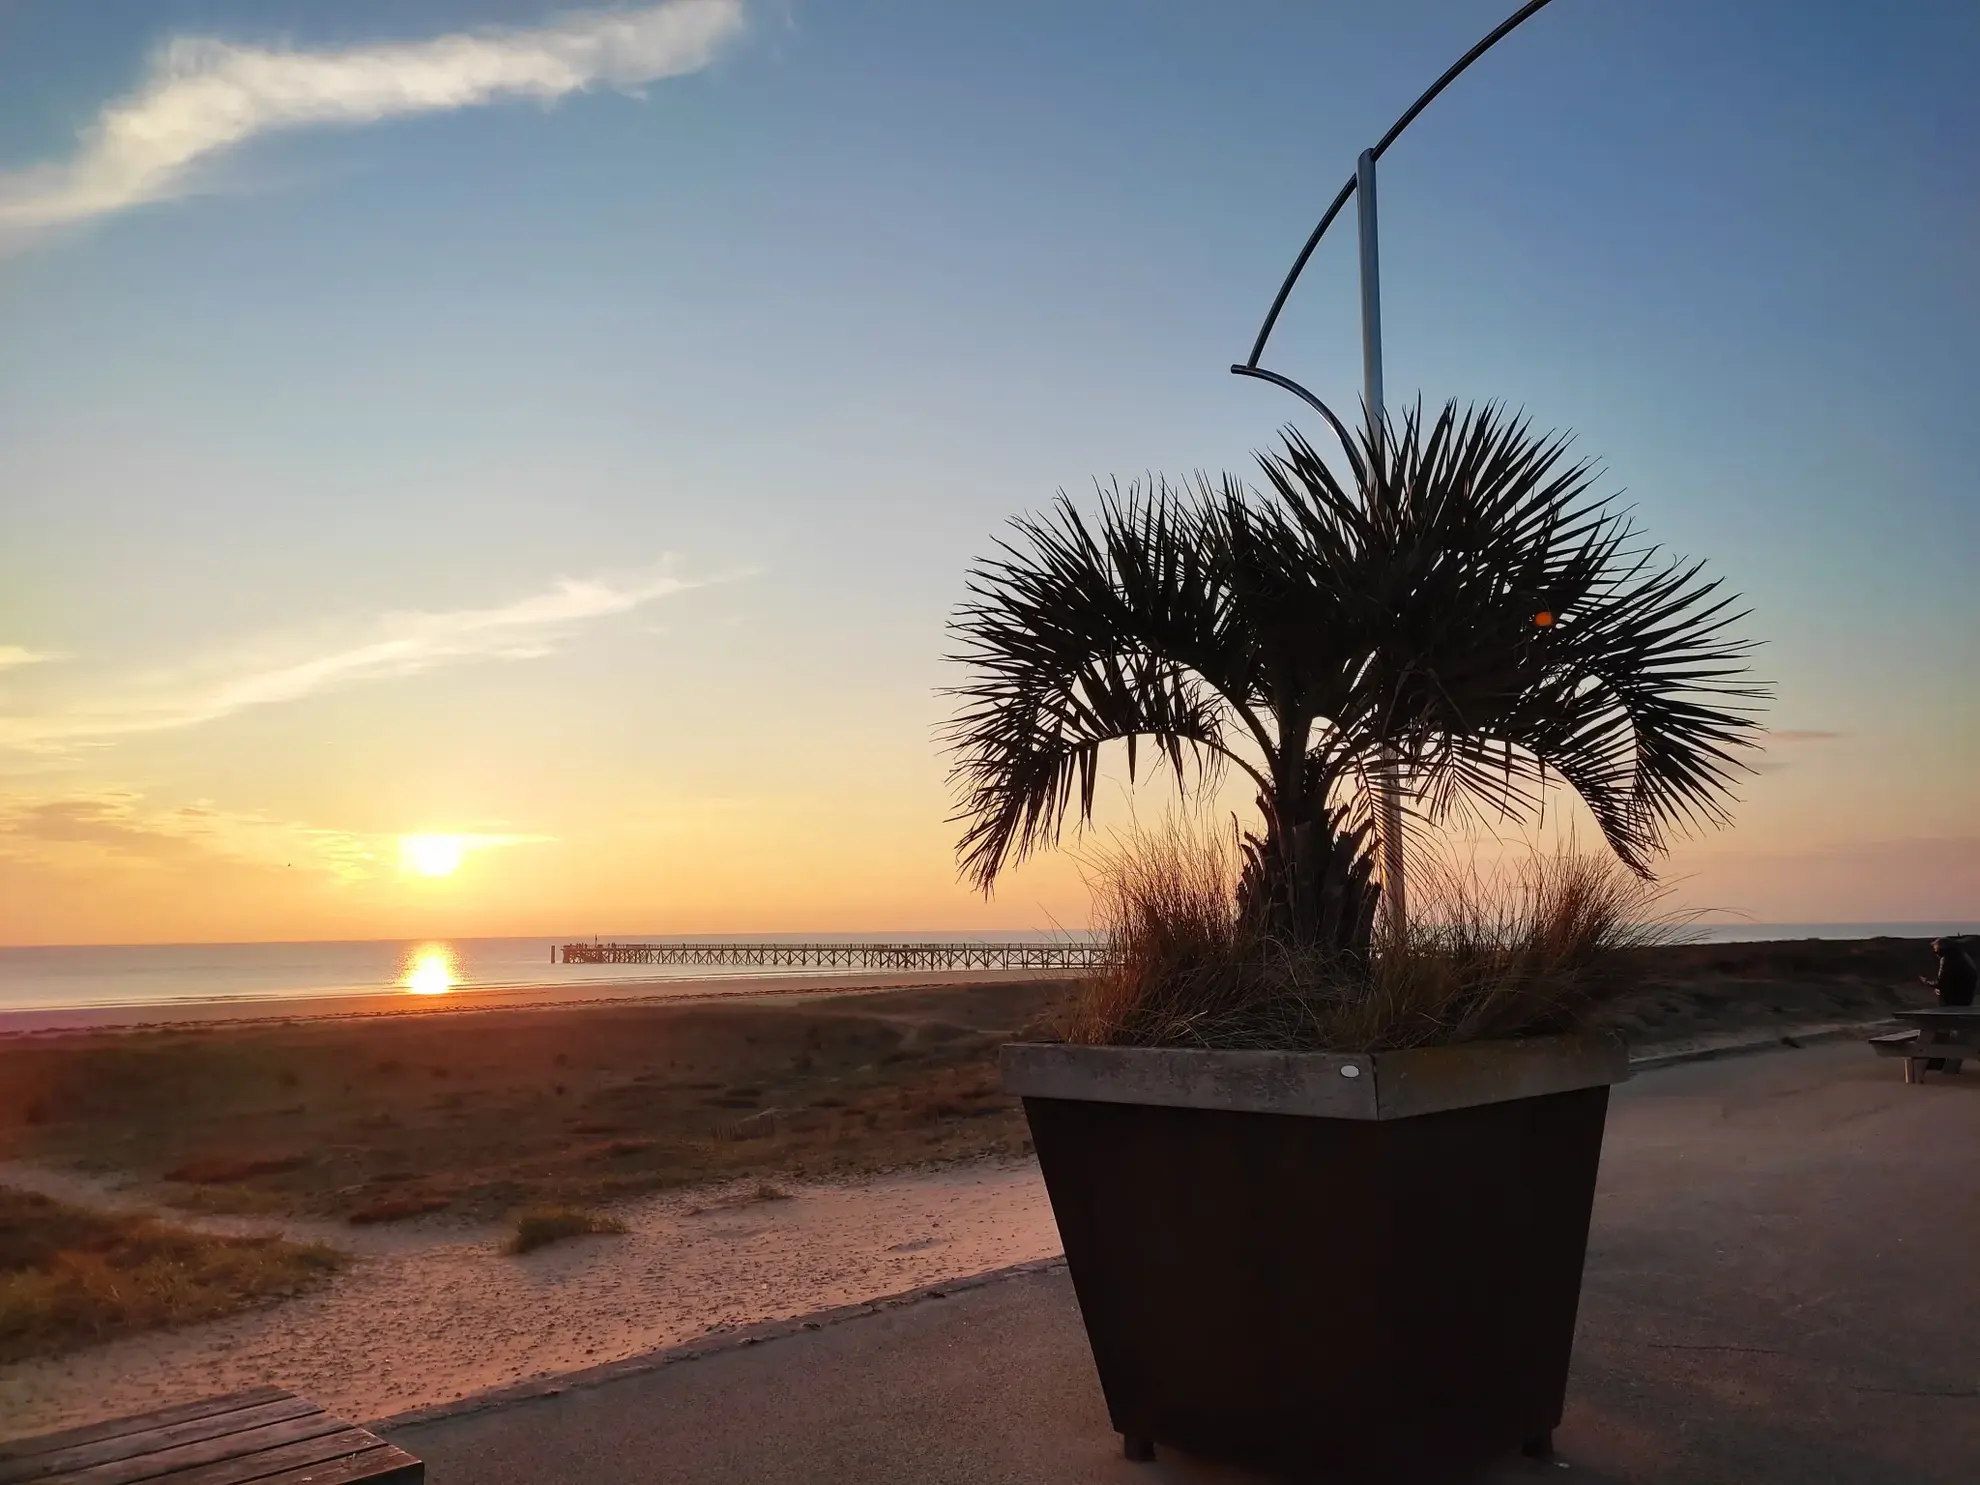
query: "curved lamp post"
1362, 186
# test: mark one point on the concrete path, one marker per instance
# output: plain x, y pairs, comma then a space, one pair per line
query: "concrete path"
1781, 1287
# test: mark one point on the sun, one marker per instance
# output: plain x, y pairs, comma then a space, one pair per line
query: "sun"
432, 855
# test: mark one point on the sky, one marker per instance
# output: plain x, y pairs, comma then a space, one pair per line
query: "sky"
568, 431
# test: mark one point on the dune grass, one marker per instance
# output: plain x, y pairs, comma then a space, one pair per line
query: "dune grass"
587, 1106
541, 1226
383, 1209
70, 1276
1480, 958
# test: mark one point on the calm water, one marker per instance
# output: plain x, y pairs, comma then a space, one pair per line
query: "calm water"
181, 974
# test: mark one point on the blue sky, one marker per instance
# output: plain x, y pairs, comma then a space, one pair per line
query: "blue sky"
758, 356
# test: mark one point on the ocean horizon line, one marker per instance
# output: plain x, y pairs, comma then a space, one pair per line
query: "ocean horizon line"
1750, 930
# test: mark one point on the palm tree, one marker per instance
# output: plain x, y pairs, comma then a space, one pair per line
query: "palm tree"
1462, 605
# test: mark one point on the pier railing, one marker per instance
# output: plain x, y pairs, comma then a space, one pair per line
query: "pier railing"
850, 956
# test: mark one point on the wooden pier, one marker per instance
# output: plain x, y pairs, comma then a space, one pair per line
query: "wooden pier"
1070, 956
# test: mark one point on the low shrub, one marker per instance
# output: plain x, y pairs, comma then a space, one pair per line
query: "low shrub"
71, 1276
397, 1209
223, 1170
542, 1226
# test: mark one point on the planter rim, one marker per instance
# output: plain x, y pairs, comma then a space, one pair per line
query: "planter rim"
1326, 1085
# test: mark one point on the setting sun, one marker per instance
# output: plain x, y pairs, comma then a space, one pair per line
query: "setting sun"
432, 855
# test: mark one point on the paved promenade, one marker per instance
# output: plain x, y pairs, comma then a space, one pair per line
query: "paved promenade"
1781, 1287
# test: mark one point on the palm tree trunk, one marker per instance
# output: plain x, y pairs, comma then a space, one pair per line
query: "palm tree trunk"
1309, 882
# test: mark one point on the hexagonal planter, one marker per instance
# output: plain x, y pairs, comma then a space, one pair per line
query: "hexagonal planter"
1364, 1267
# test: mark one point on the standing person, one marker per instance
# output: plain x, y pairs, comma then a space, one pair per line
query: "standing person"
1955, 983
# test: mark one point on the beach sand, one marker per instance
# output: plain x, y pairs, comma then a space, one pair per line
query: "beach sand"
431, 1313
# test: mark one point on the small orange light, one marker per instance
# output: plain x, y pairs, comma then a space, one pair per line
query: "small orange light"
1545, 618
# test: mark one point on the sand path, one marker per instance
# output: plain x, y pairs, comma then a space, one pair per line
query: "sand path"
429, 1313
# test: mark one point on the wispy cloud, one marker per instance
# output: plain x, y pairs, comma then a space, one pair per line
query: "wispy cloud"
400, 644
12, 655
203, 97
118, 824
1802, 736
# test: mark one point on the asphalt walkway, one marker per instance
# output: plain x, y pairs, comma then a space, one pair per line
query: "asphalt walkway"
1781, 1287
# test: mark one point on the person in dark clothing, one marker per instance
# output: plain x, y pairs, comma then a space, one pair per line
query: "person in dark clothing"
1955, 983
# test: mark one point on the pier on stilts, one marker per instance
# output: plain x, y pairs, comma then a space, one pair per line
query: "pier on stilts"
897, 956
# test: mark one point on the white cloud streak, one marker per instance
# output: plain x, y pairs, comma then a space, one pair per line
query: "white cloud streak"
203, 97
402, 644
12, 655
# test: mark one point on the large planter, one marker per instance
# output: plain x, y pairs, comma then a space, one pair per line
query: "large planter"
1363, 1267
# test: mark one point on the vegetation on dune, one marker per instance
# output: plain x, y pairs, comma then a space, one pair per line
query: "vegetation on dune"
584, 1107
70, 1276
541, 1226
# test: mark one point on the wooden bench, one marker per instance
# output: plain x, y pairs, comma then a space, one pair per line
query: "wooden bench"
1937, 1033
266, 1436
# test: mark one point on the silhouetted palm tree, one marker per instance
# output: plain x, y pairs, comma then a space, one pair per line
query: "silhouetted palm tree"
1464, 601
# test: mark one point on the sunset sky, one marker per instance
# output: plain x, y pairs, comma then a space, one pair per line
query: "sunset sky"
566, 432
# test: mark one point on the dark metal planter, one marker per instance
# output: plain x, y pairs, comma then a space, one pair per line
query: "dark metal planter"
1362, 1268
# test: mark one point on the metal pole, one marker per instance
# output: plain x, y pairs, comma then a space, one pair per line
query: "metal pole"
1371, 289
1389, 786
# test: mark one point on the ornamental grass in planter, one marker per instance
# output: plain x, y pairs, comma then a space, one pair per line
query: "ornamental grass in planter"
1325, 1188
1323, 1214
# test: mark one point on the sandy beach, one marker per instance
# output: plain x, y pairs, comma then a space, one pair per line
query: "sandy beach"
434, 1312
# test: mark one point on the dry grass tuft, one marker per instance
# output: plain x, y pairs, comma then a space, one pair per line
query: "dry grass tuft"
70, 1276
542, 1226
1484, 957
397, 1209
762, 1191
225, 1170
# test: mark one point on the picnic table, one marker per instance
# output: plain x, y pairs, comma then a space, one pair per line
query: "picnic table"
265, 1436
1942, 1032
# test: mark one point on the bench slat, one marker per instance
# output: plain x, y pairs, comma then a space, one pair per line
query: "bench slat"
47, 1443
152, 1440
241, 1469
385, 1465
183, 1460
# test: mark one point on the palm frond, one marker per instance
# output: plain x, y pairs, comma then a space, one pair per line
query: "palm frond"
1075, 640
1463, 596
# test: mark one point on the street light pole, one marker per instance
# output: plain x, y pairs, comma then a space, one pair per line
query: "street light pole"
1361, 185
1371, 289
1389, 786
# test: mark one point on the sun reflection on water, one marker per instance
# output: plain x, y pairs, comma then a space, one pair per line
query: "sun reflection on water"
431, 970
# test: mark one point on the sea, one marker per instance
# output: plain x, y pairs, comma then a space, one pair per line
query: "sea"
86, 976
168, 977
